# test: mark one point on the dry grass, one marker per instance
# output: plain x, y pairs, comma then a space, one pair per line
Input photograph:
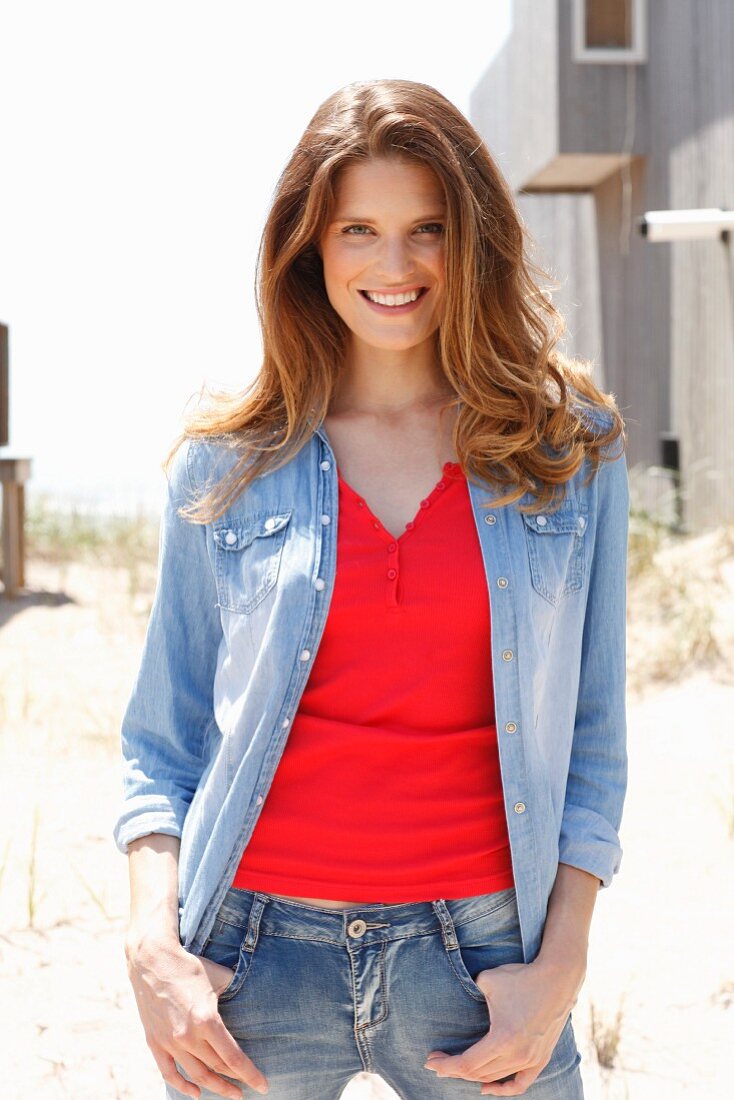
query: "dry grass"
680, 603
606, 1035
122, 542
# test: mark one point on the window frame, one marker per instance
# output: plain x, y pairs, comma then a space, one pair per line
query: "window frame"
590, 55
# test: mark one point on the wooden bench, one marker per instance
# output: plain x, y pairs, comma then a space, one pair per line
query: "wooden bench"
14, 472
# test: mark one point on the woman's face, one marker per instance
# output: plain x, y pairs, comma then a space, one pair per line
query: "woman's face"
386, 237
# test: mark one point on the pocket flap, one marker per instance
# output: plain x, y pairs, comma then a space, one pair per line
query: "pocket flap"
564, 521
238, 536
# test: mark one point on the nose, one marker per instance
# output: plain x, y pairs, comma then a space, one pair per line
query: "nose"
395, 263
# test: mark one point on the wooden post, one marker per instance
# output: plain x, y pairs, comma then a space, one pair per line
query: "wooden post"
14, 472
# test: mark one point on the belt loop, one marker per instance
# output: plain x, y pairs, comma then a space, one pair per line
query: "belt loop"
253, 921
448, 930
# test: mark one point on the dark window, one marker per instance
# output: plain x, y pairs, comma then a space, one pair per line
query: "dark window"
608, 24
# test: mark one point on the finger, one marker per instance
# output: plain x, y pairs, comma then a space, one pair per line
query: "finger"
470, 1062
219, 975
523, 1079
170, 1074
209, 1055
245, 1071
226, 1048
202, 1075
489, 1070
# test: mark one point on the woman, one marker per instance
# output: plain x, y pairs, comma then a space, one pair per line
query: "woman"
375, 754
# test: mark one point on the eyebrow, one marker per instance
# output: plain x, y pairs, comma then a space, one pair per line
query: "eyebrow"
420, 218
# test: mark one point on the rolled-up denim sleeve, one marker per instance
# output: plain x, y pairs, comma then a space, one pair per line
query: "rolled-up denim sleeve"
170, 711
597, 780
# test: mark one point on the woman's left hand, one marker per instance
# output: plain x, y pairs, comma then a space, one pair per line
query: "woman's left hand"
528, 1005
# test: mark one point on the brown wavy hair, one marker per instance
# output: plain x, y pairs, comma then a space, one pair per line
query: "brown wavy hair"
527, 414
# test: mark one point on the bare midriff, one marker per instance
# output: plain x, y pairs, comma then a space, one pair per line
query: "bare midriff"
324, 903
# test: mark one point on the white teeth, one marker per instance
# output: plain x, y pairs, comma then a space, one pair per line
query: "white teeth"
392, 299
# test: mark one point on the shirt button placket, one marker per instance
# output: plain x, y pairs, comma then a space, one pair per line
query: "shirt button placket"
320, 583
507, 654
393, 573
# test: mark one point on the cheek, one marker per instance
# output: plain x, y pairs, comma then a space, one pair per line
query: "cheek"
338, 271
338, 292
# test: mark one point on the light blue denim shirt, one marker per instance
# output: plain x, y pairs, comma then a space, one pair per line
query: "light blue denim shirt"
238, 613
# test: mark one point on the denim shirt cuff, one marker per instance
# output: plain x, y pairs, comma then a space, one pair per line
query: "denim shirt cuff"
149, 814
590, 842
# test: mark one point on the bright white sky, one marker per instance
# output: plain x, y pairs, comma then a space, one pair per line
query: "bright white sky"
139, 146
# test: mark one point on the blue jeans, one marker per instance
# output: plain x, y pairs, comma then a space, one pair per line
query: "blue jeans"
319, 995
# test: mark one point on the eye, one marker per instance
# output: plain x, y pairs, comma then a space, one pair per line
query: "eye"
435, 227
350, 227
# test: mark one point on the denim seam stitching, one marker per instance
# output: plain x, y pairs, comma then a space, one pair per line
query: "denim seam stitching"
383, 989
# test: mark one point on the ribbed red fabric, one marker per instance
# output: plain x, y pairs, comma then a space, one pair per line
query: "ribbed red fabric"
389, 785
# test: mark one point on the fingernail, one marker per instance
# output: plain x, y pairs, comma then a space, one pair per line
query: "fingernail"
262, 1088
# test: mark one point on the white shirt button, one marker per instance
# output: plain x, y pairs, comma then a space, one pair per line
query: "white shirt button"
502, 582
269, 524
507, 655
519, 807
490, 518
319, 583
542, 521
326, 465
326, 519
285, 722
230, 537
259, 800
305, 654
582, 522
510, 727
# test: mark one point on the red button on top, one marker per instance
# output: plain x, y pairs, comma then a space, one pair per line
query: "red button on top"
425, 503
409, 525
391, 547
392, 573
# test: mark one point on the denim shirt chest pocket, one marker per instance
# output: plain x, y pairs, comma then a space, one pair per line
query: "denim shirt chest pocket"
248, 550
556, 549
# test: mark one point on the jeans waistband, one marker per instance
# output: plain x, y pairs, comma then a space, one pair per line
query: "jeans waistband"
373, 921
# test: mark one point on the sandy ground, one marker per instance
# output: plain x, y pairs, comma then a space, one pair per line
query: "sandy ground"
661, 944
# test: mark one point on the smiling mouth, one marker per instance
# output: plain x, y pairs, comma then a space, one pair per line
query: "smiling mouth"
393, 304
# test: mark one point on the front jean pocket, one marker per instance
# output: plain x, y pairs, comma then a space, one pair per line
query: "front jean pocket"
233, 942
492, 938
556, 554
247, 558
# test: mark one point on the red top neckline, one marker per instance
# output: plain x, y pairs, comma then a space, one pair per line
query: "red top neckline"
423, 506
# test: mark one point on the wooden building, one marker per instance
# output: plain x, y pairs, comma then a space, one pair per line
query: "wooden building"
598, 111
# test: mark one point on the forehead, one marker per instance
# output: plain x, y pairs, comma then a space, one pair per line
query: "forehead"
392, 181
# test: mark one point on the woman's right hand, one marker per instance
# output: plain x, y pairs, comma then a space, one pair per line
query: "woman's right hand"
176, 994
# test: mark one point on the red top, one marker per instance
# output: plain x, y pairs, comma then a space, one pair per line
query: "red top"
389, 786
